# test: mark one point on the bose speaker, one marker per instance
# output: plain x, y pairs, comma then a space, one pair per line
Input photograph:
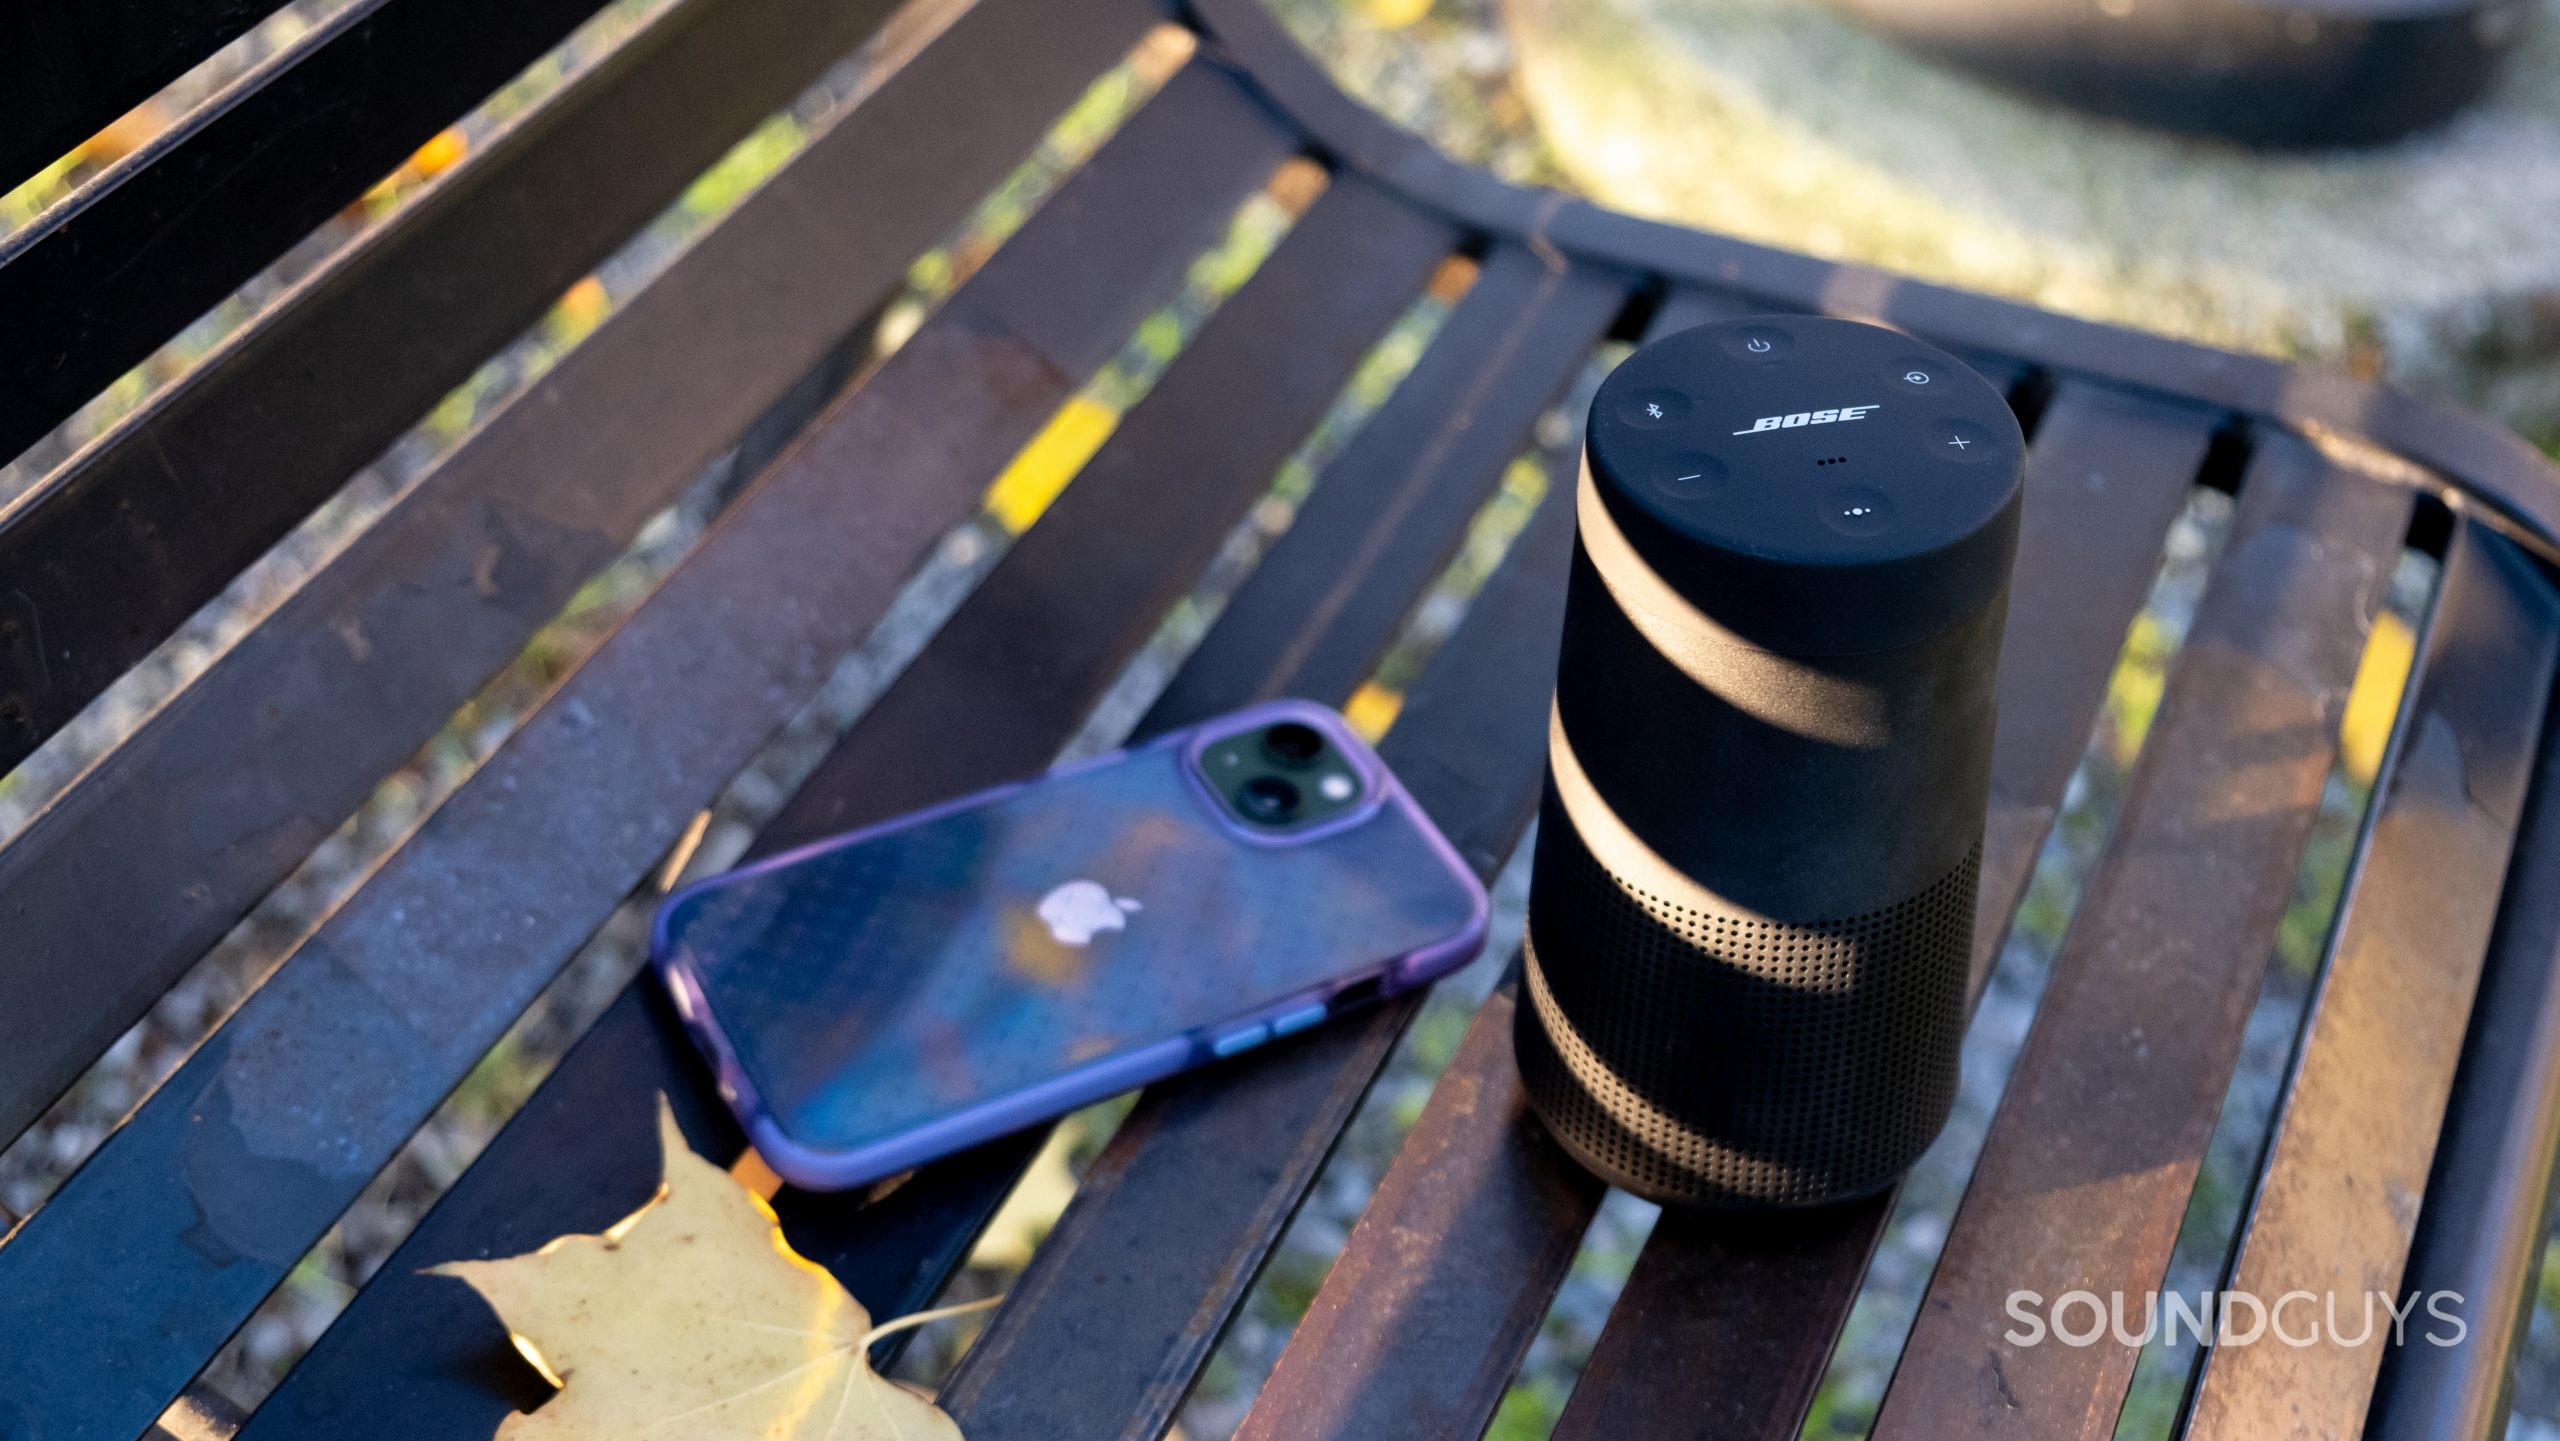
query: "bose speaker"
1751, 911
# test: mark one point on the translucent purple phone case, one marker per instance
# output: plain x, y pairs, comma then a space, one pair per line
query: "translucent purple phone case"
878, 1000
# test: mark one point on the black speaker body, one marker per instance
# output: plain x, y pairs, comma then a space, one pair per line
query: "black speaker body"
1753, 899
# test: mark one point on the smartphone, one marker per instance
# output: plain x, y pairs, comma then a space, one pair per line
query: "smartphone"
885, 998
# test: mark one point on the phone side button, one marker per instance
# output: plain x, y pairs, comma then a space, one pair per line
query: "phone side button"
1244, 1040
1289, 1023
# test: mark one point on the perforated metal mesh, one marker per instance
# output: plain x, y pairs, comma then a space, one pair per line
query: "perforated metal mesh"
1714, 1058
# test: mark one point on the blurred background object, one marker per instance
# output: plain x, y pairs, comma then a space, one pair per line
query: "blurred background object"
2431, 261
2260, 72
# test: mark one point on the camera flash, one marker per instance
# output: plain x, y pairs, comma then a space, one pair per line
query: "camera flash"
1335, 787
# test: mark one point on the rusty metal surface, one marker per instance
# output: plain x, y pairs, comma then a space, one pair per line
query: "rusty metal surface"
1124, 1301
1440, 1288
1726, 1326
1756, 1308
1083, 590
1233, 406
222, 1179
86, 64
94, 283
139, 1268
122, 884
2480, 1233
2106, 476
2086, 1171
276, 418
1396, 507
1467, 744
2340, 1193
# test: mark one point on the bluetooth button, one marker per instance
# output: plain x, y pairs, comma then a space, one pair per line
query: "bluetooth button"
1654, 409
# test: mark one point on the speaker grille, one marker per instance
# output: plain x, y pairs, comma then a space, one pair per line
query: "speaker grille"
1712, 1057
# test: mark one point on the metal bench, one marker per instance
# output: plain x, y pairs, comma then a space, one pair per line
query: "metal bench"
2416, 1144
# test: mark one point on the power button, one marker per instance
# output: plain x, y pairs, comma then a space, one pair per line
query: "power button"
1758, 342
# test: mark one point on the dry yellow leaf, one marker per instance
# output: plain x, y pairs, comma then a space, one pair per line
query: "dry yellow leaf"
1372, 709
1049, 461
692, 1317
443, 151
2373, 702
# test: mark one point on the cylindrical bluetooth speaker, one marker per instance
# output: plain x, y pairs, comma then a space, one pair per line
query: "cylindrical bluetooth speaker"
1752, 904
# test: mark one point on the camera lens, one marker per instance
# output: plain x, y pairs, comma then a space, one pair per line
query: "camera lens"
1268, 799
1292, 744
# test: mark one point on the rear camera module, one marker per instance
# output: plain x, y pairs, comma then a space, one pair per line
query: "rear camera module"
1287, 777
1269, 800
1293, 744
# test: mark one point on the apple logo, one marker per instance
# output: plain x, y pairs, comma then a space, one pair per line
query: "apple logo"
1078, 911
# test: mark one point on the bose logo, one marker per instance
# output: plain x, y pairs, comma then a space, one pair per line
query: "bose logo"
1808, 417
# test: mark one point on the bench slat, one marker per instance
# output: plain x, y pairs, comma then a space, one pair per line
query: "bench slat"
1442, 1285
2339, 1195
98, 282
445, 588
875, 1240
1202, 1157
1747, 1314
2087, 1168
1174, 1219
2481, 1229
2105, 478
1400, 497
894, 1252
1075, 590
1224, 418
75, 67
276, 420
516, 870
1473, 1182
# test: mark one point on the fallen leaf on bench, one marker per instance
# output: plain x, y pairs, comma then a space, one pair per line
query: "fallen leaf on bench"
692, 1317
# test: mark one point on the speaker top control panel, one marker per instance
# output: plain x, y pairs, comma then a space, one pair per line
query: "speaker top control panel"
1783, 452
